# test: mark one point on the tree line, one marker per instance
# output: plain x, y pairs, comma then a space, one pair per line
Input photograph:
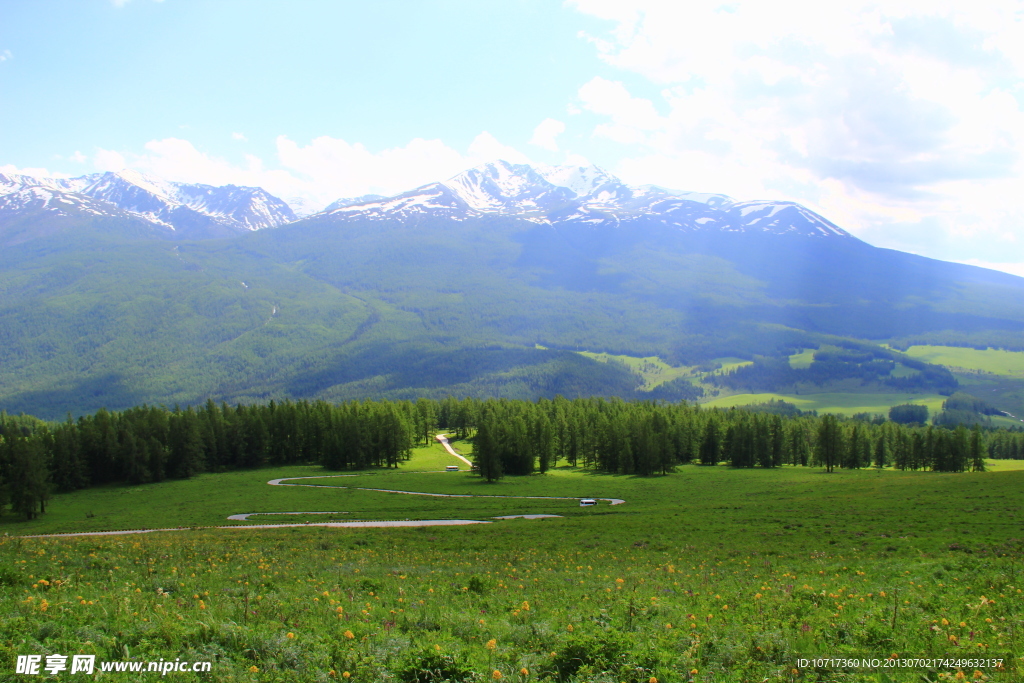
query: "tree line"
645, 438
511, 437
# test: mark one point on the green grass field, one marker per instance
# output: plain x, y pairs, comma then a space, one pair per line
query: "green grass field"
996, 361
651, 369
802, 360
708, 574
838, 403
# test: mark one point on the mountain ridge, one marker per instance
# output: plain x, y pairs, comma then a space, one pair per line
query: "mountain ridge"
486, 285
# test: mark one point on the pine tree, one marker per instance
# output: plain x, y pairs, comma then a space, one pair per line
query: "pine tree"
977, 451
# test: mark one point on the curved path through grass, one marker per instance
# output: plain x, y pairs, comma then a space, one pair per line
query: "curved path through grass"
284, 481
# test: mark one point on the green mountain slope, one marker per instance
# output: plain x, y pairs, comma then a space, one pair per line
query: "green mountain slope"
101, 315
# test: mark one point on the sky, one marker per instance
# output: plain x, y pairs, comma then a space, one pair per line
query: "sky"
902, 122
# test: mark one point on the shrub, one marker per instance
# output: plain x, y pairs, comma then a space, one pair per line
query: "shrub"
431, 666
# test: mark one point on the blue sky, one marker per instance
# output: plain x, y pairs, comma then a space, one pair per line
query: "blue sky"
901, 121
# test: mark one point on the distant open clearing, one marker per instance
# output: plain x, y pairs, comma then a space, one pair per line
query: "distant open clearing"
996, 361
838, 403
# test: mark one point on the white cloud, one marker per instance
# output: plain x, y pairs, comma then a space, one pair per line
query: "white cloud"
5, 55
239, 136
78, 157
11, 169
485, 147
885, 117
546, 134
108, 160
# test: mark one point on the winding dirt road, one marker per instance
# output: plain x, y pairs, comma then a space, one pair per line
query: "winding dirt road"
242, 517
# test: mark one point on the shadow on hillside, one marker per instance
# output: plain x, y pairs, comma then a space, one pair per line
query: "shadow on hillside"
87, 396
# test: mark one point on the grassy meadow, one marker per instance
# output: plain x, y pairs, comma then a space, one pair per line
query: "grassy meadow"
708, 574
995, 361
834, 402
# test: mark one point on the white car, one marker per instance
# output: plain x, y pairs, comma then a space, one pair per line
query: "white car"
584, 502
451, 468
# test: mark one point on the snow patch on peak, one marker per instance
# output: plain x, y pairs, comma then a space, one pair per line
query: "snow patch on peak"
581, 180
711, 199
158, 186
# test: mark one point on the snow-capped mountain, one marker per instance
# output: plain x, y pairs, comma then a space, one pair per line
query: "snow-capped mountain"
585, 197
173, 209
560, 195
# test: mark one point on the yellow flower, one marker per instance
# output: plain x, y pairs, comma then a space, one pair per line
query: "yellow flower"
524, 671
526, 606
290, 636
346, 674
652, 679
496, 675
253, 669
349, 635
620, 581
491, 644
569, 628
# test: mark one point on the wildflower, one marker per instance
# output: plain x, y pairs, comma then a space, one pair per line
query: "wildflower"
437, 647
526, 606
496, 675
569, 628
346, 674
652, 679
620, 581
290, 636
491, 644
253, 669
524, 671
349, 635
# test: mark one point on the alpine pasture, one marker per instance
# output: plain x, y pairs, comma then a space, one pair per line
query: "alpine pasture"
706, 574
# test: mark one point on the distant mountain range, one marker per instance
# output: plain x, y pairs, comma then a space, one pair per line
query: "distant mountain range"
546, 195
568, 195
172, 210
120, 288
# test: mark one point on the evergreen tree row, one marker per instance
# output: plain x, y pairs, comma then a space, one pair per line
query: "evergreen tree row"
516, 437
150, 444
